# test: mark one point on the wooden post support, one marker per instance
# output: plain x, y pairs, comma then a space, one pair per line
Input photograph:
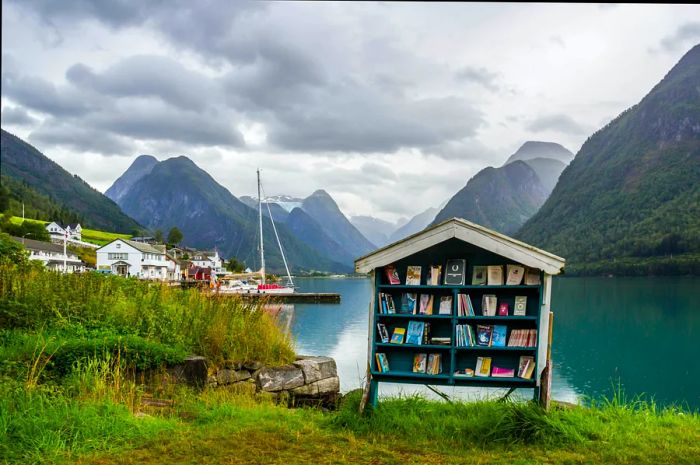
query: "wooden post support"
546, 378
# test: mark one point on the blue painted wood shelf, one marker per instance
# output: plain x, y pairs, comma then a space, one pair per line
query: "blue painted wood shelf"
424, 286
415, 346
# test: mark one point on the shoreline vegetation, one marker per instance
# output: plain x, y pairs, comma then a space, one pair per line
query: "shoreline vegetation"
73, 350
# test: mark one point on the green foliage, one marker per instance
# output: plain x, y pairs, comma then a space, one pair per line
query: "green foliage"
4, 196
38, 179
630, 201
11, 252
235, 266
27, 228
175, 236
158, 236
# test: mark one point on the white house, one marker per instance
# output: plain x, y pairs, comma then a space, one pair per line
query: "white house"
129, 258
206, 259
51, 255
58, 232
173, 268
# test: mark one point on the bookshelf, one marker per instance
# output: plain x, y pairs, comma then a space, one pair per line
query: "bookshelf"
466, 242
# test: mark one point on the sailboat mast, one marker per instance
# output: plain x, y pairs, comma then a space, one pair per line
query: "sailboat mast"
262, 252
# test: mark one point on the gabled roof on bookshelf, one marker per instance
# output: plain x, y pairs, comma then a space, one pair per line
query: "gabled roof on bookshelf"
470, 233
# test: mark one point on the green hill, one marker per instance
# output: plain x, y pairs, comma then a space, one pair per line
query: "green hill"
629, 203
43, 179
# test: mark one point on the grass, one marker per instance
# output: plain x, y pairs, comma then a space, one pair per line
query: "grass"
93, 236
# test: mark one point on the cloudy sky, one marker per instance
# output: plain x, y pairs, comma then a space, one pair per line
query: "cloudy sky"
389, 107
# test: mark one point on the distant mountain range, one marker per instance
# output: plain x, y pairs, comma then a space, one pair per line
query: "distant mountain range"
176, 192
504, 198
629, 202
138, 169
51, 193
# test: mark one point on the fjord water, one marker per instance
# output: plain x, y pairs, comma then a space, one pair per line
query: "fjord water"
641, 333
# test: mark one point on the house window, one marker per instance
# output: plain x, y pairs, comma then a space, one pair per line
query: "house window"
117, 256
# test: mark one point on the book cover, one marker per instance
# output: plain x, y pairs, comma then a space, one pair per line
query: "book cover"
498, 372
454, 272
494, 275
526, 366
498, 337
520, 308
383, 333
414, 333
390, 303
434, 275
483, 366
420, 363
466, 373
488, 305
503, 308
408, 303
426, 304
479, 276
532, 277
434, 364
483, 335
426, 333
392, 275
382, 362
514, 275
413, 275
397, 337
445, 305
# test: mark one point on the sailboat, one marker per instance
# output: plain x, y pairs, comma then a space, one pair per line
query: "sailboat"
237, 286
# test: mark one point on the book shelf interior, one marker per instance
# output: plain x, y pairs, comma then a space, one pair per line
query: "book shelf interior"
400, 357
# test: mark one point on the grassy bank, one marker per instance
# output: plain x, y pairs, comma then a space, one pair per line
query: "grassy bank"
72, 350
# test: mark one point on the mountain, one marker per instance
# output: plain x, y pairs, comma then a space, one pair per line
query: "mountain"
322, 208
279, 214
629, 202
538, 149
44, 178
414, 225
501, 199
375, 230
548, 171
307, 230
178, 193
138, 169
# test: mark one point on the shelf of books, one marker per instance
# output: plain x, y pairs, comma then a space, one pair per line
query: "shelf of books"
457, 322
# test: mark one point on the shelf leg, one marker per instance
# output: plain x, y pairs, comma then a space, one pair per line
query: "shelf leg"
373, 393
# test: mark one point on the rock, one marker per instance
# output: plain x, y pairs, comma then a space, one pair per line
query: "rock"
253, 366
226, 376
195, 371
212, 381
317, 368
231, 365
280, 378
319, 388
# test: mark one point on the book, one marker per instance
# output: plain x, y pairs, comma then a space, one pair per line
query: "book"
498, 337
390, 303
466, 373
426, 304
503, 309
494, 275
414, 333
526, 366
420, 363
397, 337
382, 362
441, 341
413, 275
498, 372
426, 333
532, 277
488, 305
483, 335
514, 275
454, 272
383, 333
434, 275
408, 303
483, 366
445, 305
464, 307
479, 276
434, 364
520, 307
392, 276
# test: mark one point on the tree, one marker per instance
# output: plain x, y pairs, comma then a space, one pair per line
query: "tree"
11, 251
4, 198
235, 266
175, 236
158, 236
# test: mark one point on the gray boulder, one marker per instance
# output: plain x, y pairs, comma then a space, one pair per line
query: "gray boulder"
317, 368
280, 378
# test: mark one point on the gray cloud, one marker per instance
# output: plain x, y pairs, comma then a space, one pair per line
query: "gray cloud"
80, 138
17, 116
686, 33
558, 122
481, 76
42, 96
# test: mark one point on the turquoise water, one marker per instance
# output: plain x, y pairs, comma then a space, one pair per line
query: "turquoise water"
639, 332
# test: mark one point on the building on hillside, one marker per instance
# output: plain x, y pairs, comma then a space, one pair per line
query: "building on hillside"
207, 259
198, 273
145, 239
51, 256
129, 258
174, 273
70, 231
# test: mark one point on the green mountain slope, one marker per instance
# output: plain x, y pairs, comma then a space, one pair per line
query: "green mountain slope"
177, 192
629, 203
501, 199
29, 167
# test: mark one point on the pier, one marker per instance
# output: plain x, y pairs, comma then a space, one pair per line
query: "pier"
295, 298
